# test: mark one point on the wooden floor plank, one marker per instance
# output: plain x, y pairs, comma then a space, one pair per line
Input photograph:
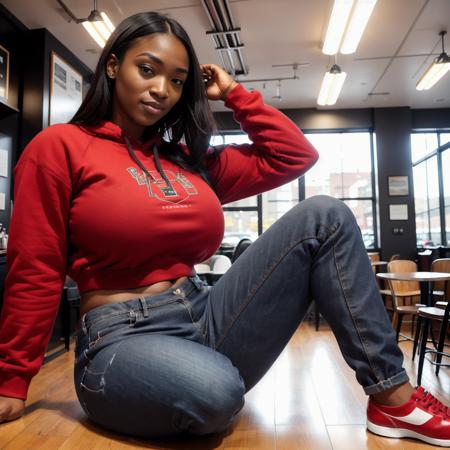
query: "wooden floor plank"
309, 399
355, 437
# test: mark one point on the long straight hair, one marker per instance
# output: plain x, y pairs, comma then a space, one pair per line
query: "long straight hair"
191, 118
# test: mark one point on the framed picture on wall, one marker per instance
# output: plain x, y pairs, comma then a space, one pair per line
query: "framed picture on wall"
4, 73
398, 212
66, 94
398, 186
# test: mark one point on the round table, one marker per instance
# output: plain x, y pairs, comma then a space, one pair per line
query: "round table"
425, 280
379, 263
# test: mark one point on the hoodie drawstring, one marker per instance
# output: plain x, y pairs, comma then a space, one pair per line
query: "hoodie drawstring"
157, 162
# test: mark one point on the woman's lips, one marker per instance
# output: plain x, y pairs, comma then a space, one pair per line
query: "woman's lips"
152, 108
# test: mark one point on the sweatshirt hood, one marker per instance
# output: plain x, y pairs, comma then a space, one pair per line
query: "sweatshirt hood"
109, 130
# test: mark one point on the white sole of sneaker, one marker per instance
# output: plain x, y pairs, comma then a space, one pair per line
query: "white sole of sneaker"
402, 433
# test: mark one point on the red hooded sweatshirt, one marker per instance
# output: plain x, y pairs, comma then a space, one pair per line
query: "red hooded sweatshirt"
83, 207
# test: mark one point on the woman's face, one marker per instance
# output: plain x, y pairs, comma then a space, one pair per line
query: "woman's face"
148, 81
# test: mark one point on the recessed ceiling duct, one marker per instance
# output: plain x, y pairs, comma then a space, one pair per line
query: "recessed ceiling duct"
226, 36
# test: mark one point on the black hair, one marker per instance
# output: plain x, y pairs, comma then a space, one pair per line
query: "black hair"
191, 118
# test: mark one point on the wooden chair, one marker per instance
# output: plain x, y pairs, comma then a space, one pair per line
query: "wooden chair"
385, 290
441, 293
441, 289
440, 313
402, 292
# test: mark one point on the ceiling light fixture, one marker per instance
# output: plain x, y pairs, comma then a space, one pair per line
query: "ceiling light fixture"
438, 68
98, 24
332, 83
350, 18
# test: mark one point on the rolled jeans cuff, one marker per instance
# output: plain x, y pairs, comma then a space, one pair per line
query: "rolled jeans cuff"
397, 379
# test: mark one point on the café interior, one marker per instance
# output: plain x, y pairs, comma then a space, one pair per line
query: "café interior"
369, 86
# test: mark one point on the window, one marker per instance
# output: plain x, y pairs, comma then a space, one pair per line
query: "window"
431, 187
446, 193
422, 144
241, 217
345, 171
279, 201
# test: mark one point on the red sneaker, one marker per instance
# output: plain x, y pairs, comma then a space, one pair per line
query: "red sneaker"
422, 417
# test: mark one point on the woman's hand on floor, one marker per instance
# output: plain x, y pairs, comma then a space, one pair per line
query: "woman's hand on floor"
11, 408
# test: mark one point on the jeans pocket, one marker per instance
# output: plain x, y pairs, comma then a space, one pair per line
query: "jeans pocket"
195, 315
92, 381
108, 326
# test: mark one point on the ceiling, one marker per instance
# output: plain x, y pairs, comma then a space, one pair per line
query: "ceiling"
382, 72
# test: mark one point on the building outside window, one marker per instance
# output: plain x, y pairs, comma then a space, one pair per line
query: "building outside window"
241, 217
344, 170
430, 153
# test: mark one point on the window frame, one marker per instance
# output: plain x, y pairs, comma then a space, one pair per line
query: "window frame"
301, 180
438, 152
374, 197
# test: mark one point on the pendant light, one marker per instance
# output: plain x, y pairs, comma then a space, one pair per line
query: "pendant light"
438, 68
332, 83
97, 24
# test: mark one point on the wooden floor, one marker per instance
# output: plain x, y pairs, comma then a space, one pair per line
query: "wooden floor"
308, 400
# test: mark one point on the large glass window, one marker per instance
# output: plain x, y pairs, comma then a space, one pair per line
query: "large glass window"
242, 216
279, 201
431, 187
444, 138
422, 144
239, 225
446, 188
344, 171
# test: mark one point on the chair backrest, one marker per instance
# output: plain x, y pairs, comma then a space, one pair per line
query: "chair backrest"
394, 257
240, 247
220, 264
441, 265
403, 265
373, 256
202, 268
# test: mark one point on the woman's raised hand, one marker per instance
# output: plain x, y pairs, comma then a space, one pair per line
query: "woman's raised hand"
218, 82
11, 408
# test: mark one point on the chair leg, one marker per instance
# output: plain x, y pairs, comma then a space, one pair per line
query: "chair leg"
423, 346
416, 337
399, 325
440, 346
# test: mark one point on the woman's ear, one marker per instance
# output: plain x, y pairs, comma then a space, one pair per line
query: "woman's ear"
112, 66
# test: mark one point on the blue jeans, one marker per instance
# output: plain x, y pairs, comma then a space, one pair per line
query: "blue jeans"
181, 361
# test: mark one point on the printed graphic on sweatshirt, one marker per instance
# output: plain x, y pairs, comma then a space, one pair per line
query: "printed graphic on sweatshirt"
178, 191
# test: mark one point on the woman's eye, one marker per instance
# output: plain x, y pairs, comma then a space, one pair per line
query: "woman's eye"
178, 82
146, 70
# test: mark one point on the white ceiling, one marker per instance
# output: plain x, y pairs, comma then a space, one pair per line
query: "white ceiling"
286, 32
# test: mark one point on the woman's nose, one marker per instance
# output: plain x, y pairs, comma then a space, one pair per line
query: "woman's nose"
159, 87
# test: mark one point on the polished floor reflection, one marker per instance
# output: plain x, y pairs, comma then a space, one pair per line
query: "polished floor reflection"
308, 400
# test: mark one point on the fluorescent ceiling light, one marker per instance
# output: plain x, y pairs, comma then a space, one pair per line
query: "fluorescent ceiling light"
100, 30
89, 27
438, 68
331, 86
349, 20
361, 14
336, 26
